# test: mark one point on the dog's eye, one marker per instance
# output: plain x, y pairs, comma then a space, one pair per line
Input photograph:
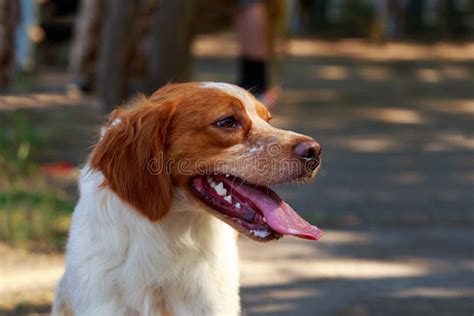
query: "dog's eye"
228, 122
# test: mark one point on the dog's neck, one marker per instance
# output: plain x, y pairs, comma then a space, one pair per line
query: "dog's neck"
185, 227
187, 252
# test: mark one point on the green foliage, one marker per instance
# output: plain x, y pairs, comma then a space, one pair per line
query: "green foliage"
17, 144
34, 218
31, 214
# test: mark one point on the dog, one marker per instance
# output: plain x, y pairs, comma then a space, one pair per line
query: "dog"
165, 189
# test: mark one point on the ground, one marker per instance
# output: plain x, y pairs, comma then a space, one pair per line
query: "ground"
394, 196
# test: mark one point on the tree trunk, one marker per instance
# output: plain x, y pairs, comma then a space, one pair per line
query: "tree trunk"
171, 38
116, 46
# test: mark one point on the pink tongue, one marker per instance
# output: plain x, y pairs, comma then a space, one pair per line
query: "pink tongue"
278, 214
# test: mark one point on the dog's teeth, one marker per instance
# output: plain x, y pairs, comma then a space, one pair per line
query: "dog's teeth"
226, 175
264, 219
260, 233
228, 198
220, 189
237, 205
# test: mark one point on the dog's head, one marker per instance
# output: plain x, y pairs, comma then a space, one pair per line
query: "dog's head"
214, 141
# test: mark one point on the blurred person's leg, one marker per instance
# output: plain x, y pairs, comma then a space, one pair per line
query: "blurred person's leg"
86, 43
253, 32
9, 17
28, 34
117, 43
171, 38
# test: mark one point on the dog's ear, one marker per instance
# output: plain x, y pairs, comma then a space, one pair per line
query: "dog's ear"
131, 155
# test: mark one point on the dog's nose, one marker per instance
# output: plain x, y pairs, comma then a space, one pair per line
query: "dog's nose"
308, 149
310, 152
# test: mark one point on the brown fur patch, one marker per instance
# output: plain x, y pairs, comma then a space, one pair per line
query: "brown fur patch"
126, 151
177, 124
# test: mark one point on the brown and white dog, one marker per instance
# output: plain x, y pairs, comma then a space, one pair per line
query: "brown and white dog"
163, 188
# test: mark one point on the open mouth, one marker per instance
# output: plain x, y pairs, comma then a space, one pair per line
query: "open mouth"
255, 211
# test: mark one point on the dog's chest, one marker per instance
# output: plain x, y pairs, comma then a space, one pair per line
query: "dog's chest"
191, 280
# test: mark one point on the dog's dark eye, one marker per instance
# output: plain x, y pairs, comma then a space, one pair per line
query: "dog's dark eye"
228, 122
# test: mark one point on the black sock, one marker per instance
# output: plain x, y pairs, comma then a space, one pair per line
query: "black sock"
253, 75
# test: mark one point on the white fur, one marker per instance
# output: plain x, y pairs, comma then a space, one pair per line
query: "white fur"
120, 263
243, 95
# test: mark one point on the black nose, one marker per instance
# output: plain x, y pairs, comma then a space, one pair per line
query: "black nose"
310, 152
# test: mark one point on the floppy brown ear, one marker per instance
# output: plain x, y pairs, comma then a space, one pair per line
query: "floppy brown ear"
132, 159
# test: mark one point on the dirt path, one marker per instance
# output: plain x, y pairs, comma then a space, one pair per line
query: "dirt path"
27, 278
409, 271
349, 272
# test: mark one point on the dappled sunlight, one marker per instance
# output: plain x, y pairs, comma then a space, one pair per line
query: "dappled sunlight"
290, 266
291, 293
223, 45
344, 237
448, 106
212, 46
30, 280
371, 144
427, 292
374, 73
41, 100
330, 72
361, 49
288, 270
393, 115
445, 141
366, 269
368, 266
28, 277
428, 75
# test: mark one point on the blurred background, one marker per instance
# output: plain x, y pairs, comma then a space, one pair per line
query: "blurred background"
385, 86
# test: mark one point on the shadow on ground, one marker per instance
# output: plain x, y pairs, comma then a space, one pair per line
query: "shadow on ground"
370, 271
27, 309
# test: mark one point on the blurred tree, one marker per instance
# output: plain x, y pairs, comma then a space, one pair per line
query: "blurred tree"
118, 40
171, 38
85, 45
110, 46
9, 19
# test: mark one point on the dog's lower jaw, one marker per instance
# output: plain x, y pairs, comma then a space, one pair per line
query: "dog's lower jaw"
118, 261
